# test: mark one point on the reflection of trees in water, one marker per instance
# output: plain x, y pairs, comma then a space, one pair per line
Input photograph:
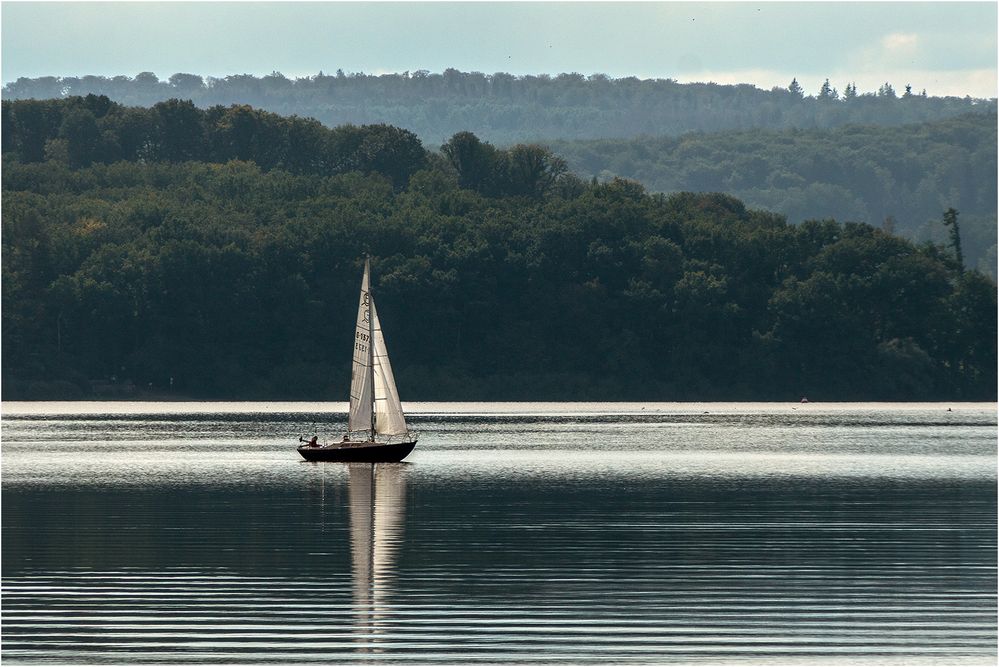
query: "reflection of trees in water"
377, 512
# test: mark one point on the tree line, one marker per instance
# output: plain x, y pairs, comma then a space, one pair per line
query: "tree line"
499, 275
897, 177
504, 109
81, 131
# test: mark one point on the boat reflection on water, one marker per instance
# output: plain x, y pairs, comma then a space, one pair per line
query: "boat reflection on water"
377, 493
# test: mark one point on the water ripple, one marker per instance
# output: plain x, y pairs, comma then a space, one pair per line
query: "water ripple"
741, 536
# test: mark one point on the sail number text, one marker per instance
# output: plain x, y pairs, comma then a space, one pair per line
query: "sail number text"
361, 341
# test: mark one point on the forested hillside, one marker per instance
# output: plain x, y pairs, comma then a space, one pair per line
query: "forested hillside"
217, 254
505, 109
899, 177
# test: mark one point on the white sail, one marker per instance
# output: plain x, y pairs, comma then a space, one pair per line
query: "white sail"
389, 419
361, 385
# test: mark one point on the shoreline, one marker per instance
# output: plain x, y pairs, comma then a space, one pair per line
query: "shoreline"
512, 408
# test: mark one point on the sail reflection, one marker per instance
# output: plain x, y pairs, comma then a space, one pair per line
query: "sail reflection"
377, 515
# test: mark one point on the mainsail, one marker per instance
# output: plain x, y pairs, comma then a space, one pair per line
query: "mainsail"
374, 399
361, 380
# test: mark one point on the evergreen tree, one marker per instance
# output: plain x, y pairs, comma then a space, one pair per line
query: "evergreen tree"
826, 91
795, 89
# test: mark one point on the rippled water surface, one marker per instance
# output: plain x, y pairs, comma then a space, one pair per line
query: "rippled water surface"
515, 533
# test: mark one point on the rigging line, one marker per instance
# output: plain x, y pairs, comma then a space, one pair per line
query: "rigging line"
371, 312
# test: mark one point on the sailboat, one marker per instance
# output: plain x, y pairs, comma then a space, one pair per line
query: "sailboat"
376, 426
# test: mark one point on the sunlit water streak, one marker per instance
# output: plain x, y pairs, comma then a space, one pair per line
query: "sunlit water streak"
515, 533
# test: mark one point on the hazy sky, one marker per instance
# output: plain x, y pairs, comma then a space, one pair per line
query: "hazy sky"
948, 48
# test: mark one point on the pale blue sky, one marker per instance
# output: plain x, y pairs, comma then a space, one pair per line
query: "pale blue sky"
948, 48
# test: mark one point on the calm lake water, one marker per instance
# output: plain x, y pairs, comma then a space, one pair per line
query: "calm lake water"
515, 533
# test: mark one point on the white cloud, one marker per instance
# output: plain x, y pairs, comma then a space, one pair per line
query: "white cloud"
900, 44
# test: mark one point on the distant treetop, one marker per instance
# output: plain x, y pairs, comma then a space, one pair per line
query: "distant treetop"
506, 109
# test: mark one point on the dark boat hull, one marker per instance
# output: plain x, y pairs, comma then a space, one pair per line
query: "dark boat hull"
373, 453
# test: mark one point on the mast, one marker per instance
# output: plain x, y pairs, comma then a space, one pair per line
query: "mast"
371, 342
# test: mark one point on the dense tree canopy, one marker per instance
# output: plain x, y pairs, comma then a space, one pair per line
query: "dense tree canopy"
228, 267
506, 109
903, 175
900, 178
81, 131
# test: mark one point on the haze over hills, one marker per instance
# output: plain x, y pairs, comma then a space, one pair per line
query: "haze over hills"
899, 177
504, 109
886, 157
